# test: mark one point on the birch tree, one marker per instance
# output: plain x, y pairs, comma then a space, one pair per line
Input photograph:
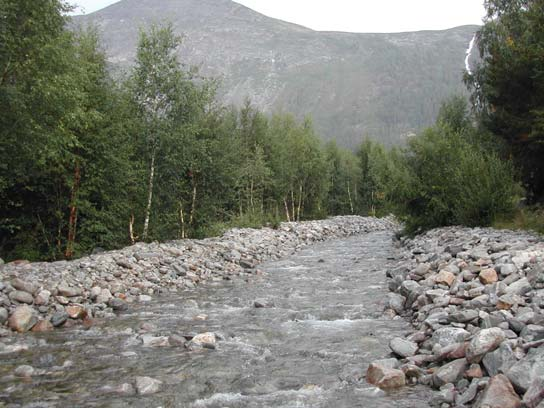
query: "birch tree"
156, 78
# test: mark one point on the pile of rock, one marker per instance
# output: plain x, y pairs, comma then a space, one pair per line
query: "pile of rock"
476, 299
42, 296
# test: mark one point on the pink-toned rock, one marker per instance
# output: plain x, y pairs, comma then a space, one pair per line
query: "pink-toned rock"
474, 371
75, 311
43, 326
22, 319
204, 338
382, 374
488, 276
452, 351
42, 298
445, 278
499, 393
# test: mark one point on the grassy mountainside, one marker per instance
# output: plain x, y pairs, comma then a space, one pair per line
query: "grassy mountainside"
353, 85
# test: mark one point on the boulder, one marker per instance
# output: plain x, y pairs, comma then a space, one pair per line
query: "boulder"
520, 287
449, 335
402, 347
535, 394
22, 319
385, 375
147, 385
444, 278
450, 373
500, 360
483, 342
488, 276
21, 297
522, 373
498, 393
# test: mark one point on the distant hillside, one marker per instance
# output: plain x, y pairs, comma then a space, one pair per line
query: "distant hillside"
353, 85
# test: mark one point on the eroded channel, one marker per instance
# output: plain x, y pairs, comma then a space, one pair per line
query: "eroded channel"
309, 348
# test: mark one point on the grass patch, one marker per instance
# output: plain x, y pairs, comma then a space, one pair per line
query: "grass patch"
531, 218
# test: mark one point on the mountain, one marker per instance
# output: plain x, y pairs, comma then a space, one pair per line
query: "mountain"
384, 86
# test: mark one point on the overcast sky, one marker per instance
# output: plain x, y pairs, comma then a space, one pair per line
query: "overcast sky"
357, 15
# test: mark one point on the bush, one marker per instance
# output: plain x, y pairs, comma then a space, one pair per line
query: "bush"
457, 181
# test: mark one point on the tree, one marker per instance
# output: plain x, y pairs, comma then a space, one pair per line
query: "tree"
508, 85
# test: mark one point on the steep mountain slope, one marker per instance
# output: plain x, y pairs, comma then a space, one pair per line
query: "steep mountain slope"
353, 85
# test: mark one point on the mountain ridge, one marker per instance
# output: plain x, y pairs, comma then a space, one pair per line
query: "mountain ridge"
351, 84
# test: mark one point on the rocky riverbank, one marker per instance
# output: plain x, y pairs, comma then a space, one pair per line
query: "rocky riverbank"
42, 296
475, 298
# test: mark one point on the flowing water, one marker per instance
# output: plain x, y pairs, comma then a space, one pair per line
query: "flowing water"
311, 348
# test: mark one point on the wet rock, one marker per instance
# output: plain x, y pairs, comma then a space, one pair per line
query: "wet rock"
125, 389
22, 319
450, 373
175, 340
499, 393
402, 347
262, 303
43, 326
24, 371
144, 298
385, 375
149, 340
206, 340
147, 385
483, 342
117, 304
396, 302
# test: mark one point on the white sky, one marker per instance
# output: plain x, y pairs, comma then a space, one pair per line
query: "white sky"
357, 15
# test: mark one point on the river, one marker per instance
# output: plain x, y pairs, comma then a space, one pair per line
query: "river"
309, 347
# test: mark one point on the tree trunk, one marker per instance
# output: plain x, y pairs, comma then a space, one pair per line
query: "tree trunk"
72, 223
299, 205
182, 221
149, 195
131, 230
350, 201
293, 205
251, 196
286, 209
193, 203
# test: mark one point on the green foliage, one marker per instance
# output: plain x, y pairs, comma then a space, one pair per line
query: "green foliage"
456, 179
531, 218
508, 86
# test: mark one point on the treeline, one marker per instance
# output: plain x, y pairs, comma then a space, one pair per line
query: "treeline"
87, 162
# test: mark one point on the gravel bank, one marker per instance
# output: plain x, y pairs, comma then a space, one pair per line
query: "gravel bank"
475, 298
42, 296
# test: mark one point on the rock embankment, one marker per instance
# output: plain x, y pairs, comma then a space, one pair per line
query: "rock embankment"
42, 296
475, 298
